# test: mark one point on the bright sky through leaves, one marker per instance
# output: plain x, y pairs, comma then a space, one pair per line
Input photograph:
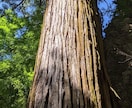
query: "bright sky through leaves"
107, 8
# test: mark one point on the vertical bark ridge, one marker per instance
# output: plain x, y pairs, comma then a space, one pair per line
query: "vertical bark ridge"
68, 61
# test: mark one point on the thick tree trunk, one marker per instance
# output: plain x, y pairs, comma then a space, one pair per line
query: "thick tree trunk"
70, 70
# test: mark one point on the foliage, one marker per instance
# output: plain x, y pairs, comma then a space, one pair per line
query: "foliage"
118, 48
18, 47
123, 8
20, 7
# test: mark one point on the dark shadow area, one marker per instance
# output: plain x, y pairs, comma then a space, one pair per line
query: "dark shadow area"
118, 50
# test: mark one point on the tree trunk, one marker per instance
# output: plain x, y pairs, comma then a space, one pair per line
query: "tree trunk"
70, 70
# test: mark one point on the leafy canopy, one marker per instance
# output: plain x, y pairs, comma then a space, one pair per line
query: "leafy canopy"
18, 47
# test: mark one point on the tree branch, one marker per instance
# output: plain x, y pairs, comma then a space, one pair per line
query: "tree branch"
18, 5
128, 57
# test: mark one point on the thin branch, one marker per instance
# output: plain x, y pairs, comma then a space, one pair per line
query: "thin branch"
124, 54
18, 5
128, 57
127, 60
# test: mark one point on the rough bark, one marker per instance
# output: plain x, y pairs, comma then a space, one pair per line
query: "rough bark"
70, 70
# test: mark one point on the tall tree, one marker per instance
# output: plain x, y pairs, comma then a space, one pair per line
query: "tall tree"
70, 69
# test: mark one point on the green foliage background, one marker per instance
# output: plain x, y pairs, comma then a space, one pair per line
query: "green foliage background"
18, 46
